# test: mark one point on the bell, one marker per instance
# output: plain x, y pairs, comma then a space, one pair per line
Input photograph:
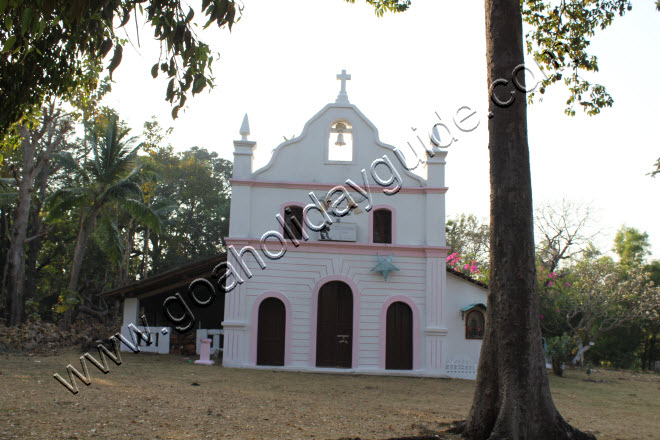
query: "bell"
340, 139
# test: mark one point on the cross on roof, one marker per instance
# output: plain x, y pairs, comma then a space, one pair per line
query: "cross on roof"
342, 98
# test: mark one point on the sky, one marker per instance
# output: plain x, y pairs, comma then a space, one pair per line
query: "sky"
279, 65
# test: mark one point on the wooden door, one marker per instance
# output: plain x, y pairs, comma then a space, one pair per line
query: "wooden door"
399, 337
271, 332
334, 335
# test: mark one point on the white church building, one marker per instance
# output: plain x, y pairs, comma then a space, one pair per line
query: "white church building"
337, 258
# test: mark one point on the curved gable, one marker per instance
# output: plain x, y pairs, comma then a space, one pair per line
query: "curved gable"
305, 158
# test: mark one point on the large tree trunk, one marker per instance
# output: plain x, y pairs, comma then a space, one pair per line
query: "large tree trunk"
87, 225
84, 232
512, 398
5, 229
16, 254
36, 229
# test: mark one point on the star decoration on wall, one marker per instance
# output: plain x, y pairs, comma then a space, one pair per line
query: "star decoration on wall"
384, 265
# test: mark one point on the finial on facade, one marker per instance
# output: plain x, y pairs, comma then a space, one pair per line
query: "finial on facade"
245, 129
342, 98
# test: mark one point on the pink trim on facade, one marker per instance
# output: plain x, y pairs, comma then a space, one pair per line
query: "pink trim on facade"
339, 247
383, 329
371, 222
254, 325
356, 318
329, 186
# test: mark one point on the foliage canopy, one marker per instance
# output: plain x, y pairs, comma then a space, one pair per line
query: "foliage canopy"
45, 45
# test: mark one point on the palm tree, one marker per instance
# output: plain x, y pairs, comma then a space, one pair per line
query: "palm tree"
110, 183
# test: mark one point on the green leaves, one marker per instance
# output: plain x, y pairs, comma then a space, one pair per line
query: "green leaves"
9, 43
169, 94
105, 47
143, 214
199, 84
47, 43
187, 60
116, 59
26, 20
382, 6
559, 40
657, 168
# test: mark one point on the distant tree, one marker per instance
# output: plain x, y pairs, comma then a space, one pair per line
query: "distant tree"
109, 182
44, 46
37, 147
631, 245
600, 296
469, 237
196, 184
562, 231
650, 324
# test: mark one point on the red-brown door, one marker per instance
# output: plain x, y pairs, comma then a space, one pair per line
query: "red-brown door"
334, 336
398, 342
271, 332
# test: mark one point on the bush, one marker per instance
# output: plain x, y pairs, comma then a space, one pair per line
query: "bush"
559, 350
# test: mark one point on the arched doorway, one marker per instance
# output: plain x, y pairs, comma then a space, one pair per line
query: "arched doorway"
399, 337
271, 332
334, 334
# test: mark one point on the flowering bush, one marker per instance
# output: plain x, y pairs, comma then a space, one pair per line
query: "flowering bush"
469, 267
601, 296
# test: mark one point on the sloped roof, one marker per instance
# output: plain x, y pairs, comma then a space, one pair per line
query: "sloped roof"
474, 306
170, 280
467, 278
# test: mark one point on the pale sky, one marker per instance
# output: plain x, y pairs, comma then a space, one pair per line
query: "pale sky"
280, 62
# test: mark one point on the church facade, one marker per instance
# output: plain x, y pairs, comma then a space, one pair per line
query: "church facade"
337, 258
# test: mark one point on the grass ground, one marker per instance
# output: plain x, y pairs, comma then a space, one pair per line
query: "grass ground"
153, 397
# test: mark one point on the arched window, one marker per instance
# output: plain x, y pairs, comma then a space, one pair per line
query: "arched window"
474, 325
293, 218
382, 226
340, 143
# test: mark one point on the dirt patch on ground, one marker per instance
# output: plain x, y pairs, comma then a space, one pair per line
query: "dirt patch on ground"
165, 397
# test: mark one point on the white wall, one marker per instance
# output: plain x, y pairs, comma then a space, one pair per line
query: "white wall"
461, 293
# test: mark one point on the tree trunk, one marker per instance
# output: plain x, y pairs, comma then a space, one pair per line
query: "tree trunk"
5, 229
36, 228
16, 255
84, 232
125, 266
647, 353
145, 253
86, 227
156, 254
512, 398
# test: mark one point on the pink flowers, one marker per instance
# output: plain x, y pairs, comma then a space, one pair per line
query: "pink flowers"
453, 259
540, 316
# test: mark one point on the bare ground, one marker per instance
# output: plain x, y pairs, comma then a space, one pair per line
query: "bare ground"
154, 397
